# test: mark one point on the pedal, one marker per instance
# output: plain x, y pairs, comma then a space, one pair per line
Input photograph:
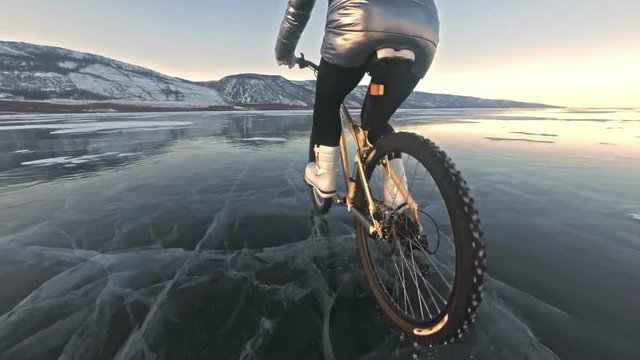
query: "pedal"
339, 200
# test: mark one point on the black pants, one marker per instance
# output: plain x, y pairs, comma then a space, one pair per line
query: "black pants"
336, 82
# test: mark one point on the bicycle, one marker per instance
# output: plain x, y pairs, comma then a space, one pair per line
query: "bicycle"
400, 250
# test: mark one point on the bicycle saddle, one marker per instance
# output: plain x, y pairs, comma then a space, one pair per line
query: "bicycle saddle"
391, 53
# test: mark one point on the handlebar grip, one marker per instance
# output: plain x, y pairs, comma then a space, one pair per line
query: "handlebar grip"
303, 63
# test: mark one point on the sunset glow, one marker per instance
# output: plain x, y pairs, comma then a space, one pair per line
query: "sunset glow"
573, 53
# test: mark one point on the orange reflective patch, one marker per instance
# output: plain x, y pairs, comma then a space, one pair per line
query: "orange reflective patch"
376, 89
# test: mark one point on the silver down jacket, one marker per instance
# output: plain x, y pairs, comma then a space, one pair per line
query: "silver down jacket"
356, 28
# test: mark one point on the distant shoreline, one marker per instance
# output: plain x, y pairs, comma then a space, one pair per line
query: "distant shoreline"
8, 107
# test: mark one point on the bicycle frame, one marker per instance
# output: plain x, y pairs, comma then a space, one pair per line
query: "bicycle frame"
364, 149
385, 224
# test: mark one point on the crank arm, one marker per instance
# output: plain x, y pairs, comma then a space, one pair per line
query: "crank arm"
362, 219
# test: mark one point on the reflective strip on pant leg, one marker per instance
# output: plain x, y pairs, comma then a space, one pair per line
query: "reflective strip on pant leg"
376, 89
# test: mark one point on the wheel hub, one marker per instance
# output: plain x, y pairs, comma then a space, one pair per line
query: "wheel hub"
401, 227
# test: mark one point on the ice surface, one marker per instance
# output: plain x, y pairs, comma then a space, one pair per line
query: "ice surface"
192, 244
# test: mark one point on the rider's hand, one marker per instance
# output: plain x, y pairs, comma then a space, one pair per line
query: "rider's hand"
291, 62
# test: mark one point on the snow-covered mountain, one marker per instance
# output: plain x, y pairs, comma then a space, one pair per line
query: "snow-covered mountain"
34, 72
37, 78
255, 89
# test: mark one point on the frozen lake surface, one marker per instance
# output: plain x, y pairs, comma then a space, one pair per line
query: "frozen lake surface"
191, 236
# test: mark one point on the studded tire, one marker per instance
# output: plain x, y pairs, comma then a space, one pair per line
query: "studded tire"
470, 257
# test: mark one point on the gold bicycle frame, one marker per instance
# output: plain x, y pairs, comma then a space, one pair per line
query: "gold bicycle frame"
363, 146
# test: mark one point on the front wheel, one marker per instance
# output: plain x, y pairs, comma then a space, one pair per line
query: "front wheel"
426, 269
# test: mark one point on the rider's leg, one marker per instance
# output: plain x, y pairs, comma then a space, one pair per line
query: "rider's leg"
333, 85
399, 82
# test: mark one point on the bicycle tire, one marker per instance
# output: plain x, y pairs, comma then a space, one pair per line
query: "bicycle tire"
470, 256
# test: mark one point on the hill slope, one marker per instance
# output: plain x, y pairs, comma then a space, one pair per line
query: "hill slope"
34, 72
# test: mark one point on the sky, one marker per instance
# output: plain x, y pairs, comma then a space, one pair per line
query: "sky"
579, 53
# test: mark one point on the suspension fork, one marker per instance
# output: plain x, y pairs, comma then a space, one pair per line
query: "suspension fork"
404, 191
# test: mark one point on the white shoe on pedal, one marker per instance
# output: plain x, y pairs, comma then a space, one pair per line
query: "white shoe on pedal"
393, 197
322, 173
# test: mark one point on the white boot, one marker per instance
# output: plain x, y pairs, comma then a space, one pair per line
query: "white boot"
322, 173
393, 198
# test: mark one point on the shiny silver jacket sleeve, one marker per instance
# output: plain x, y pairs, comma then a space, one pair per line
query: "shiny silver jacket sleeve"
294, 22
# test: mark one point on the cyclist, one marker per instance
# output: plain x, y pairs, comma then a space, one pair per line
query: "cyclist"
355, 33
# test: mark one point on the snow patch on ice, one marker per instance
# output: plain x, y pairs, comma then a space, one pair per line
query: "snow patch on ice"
67, 159
76, 128
142, 129
49, 161
635, 217
27, 120
274, 139
25, 151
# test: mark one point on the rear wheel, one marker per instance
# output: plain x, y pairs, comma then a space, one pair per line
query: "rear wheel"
425, 271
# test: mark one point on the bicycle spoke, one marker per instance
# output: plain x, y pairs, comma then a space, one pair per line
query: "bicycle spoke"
426, 282
440, 272
404, 289
394, 187
444, 302
415, 280
418, 272
386, 273
429, 286
417, 277
413, 177
417, 242
450, 241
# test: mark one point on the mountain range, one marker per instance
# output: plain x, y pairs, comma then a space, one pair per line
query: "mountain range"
36, 78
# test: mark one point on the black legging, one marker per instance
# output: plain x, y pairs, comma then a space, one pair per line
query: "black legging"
336, 82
